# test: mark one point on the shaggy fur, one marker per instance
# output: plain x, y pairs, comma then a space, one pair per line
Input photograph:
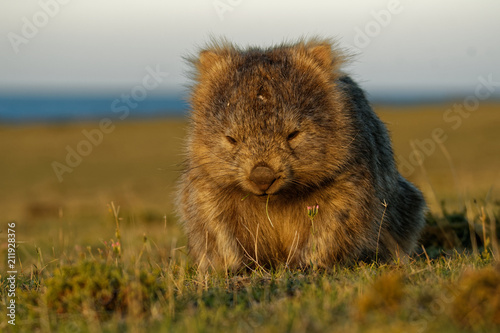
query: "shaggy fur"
274, 131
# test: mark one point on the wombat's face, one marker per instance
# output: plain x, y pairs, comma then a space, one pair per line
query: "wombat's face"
268, 122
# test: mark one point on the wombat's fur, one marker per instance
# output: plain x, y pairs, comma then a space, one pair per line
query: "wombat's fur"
274, 131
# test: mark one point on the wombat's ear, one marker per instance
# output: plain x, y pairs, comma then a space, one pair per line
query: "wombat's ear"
322, 53
207, 60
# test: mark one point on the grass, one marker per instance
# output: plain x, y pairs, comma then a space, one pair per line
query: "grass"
93, 290
101, 251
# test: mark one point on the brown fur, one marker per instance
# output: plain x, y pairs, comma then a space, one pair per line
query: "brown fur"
290, 111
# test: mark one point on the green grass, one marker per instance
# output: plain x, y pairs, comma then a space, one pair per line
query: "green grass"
147, 290
74, 278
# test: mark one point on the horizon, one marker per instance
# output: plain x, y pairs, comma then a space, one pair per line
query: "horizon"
92, 50
42, 108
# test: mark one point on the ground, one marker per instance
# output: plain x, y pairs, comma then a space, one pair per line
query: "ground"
99, 249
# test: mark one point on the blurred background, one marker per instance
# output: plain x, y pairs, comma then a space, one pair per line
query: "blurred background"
92, 97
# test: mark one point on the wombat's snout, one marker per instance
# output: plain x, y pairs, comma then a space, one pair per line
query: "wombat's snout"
262, 176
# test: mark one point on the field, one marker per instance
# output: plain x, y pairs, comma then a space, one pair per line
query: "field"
99, 249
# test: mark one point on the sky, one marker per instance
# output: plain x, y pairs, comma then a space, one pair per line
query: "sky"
97, 47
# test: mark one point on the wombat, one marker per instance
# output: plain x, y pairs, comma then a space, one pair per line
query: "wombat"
274, 132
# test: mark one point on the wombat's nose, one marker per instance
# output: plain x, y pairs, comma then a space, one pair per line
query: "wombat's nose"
262, 176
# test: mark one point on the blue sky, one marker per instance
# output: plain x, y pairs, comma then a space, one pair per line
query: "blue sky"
91, 46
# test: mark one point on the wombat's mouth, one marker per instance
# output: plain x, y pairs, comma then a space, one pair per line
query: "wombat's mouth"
265, 194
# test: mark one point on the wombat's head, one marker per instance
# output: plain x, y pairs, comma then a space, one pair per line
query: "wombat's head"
268, 121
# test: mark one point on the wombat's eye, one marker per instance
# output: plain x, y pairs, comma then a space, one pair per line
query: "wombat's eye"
292, 135
231, 140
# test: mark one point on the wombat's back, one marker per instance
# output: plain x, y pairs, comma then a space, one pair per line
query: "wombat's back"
403, 203
273, 132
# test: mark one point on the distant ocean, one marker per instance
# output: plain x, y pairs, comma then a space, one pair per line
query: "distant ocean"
31, 109
48, 109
